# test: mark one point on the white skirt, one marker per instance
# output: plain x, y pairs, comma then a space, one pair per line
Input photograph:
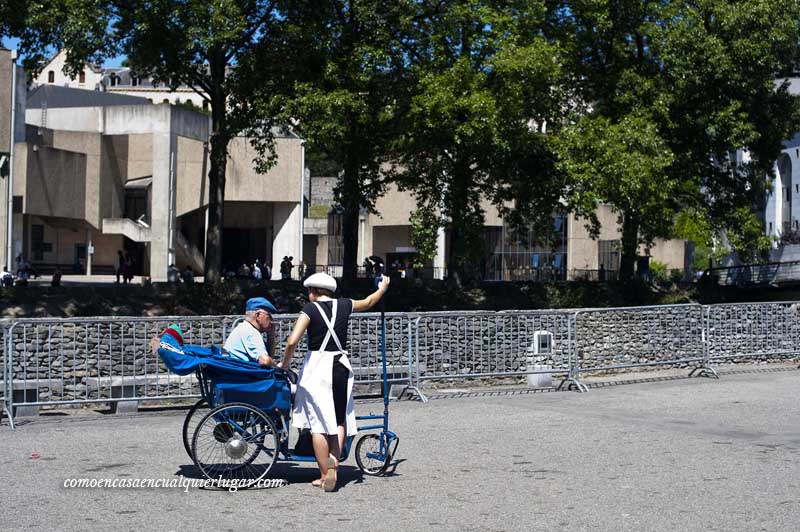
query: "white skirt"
313, 403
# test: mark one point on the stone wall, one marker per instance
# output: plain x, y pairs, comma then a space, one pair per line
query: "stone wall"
466, 344
754, 331
67, 360
608, 338
80, 359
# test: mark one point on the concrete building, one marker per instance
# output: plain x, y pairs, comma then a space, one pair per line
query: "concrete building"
116, 166
567, 252
8, 140
99, 172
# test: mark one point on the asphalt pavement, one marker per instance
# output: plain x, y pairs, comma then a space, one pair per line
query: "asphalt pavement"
663, 455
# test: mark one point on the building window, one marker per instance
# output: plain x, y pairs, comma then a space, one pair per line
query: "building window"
51, 77
165, 100
335, 237
134, 81
527, 254
82, 78
205, 105
113, 79
37, 242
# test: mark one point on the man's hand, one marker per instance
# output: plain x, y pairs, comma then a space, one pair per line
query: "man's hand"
155, 341
265, 360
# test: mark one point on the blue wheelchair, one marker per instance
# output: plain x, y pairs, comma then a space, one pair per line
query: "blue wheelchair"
241, 426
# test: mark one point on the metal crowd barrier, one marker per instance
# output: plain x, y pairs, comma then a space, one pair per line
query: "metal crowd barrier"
108, 360
6, 384
753, 330
364, 347
93, 360
612, 339
488, 344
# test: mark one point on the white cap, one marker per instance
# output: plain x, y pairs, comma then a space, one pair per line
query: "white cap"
321, 280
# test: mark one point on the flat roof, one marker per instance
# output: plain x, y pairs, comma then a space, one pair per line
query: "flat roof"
55, 97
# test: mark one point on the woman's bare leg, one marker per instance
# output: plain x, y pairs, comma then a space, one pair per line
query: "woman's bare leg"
321, 452
336, 448
340, 438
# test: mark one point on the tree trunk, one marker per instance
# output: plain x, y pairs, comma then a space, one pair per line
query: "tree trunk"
351, 203
216, 174
456, 258
216, 205
630, 245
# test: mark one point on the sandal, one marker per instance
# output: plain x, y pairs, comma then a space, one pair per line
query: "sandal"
329, 482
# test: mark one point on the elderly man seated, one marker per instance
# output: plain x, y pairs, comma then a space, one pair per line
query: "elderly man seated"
245, 341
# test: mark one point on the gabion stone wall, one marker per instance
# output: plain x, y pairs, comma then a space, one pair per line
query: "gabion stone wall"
79, 359
607, 338
464, 344
83, 359
754, 331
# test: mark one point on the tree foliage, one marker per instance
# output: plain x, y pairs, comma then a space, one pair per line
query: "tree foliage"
517, 105
343, 93
486, 83
702, 73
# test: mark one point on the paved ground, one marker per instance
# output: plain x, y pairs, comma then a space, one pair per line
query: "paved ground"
666, 455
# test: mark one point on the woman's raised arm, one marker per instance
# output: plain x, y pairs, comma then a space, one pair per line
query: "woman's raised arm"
371, 300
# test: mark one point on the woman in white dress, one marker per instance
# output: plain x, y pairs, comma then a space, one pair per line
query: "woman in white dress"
324, 398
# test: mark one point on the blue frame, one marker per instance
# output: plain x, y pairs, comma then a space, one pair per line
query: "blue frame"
282, 420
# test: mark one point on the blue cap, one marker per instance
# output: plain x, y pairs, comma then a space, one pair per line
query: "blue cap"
260, 303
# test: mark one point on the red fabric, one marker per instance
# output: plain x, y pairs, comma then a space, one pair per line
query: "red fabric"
174, 334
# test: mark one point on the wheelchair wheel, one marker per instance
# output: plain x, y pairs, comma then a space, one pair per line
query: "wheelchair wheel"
195, 414
235, 442
369, 457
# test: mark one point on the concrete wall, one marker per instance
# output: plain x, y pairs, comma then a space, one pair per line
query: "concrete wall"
6, 90
280, 183
387, 239
673, 253
64, 239
581, 248
56, 183
71, 119
191, 167
5, 100
320, 190
394, 208
286, 235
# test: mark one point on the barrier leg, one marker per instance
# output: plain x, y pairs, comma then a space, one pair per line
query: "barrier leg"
573, 377
413, 360
704, 371
412, 391
574, 383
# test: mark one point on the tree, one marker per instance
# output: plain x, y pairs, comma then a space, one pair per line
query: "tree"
488, 82
702, 74
623, 164
197, 43
344, 99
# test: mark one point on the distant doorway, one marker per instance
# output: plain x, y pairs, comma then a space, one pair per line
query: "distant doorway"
243, 246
